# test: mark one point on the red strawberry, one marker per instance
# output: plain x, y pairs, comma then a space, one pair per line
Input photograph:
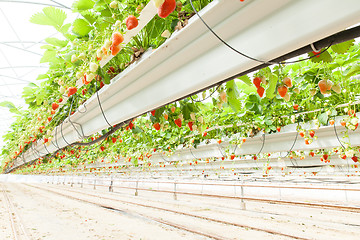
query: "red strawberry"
323, 86
302, 134
260, 91
153, 113
101, 84
46, 140
307, 142
117, 38
131, 22
115, 49
71, 91
84, 91
282, 90
205, 133
254, 157
256, 82
287, 82
54, 106
354, 158
166, 116
232, 156
178, 122
60, 100
312, 133
219, 141
325, 156
49, 118
113, 140
278, 129
343, 156
102, 148
296, 107
166, 8
111, 70
351, 113
312, 153
190, 124
343, 123
173, 108
332, 122
157, 126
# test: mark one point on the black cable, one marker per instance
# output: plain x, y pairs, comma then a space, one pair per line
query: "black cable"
207, 96
263, 143
243, 54
102, 111
338, 137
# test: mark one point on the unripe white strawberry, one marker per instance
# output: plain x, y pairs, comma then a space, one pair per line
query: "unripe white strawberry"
158, 3
74, 58
93, 67
114, 4
90, 77
99, 53
48, 132
296, 90
82, 56
192, 116
201, 119
181, 116
107, 43
79, 75
60, 82
287, 97
336, 88
312, 91
293, 118
166, 34
195, 127
354, 121
62, 90
117, 23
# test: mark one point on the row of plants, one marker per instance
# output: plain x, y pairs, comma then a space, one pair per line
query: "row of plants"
261, 102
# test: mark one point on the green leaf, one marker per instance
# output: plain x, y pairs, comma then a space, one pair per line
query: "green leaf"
12, 108
246, 79
353, 70
232, 90
270, 91
81, 27
343, 47
49, 56
235, 104
323, 57
65, 28
56, 42
323, 118
81, 5
42, 76
50, 16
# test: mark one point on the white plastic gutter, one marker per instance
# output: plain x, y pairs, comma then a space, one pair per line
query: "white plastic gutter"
193, 58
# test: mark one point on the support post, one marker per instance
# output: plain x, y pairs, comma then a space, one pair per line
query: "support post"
175, 196
242, 203
136, 190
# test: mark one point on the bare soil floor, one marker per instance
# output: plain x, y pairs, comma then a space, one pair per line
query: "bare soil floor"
50, 211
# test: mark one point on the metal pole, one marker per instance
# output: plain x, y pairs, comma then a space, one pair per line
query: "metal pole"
242, 203
111, 185
175, 196
136, 190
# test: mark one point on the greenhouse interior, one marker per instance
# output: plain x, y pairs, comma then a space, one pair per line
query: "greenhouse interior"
180, 119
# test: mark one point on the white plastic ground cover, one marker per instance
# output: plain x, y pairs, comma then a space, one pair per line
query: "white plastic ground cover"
193, 58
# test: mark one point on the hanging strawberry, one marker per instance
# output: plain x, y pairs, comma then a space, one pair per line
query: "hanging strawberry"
166, 8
